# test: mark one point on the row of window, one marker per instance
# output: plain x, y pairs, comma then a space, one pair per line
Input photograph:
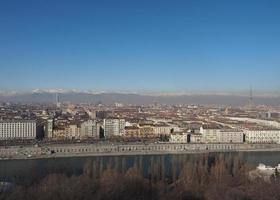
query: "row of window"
121, 149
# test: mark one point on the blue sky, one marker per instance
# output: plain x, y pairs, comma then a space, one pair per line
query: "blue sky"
140, 45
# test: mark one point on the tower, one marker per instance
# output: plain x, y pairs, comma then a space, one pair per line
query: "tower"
251, 104
49, 129
57, 100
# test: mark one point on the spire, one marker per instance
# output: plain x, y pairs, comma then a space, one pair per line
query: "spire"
251, 104
57, 100
251, 93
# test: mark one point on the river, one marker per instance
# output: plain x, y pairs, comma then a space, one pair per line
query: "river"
28, 171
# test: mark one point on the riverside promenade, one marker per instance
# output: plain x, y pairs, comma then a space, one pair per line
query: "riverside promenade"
104, 149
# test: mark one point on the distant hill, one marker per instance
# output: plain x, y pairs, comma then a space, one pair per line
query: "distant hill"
110, 98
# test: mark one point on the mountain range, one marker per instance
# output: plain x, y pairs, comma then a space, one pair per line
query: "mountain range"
49, 96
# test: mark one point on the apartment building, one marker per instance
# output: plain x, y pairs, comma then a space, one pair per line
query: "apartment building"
49, 129
114, 127
146, 130
262, 136
18, 129
222, 135
89, 129
196, 138
161, 129
132, 131
179, 137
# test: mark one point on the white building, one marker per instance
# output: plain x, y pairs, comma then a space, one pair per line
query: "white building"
114, 127
196, 138
274, 124
179, 138
264, 172
231, 136
162, 129
73, 131
49, 129
20, 129
175, 128
263, 167
262, 136
89, 129
210, 135
222, 135
118, 105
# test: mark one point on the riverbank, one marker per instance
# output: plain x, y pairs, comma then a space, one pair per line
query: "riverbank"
118, 149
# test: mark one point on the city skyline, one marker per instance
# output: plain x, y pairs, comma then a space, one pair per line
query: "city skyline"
140, 46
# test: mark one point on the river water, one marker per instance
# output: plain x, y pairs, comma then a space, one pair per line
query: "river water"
28, 171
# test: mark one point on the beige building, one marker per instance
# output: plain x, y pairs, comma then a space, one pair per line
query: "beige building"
132, 131
59, 134
146, 130
77, 130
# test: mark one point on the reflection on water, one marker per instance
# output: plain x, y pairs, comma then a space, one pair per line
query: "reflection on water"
165, 166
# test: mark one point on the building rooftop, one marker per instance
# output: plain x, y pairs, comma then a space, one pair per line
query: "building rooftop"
131, 128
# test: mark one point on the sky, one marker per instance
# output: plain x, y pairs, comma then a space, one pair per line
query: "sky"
140, 45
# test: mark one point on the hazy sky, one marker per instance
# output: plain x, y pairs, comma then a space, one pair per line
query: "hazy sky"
140, 44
